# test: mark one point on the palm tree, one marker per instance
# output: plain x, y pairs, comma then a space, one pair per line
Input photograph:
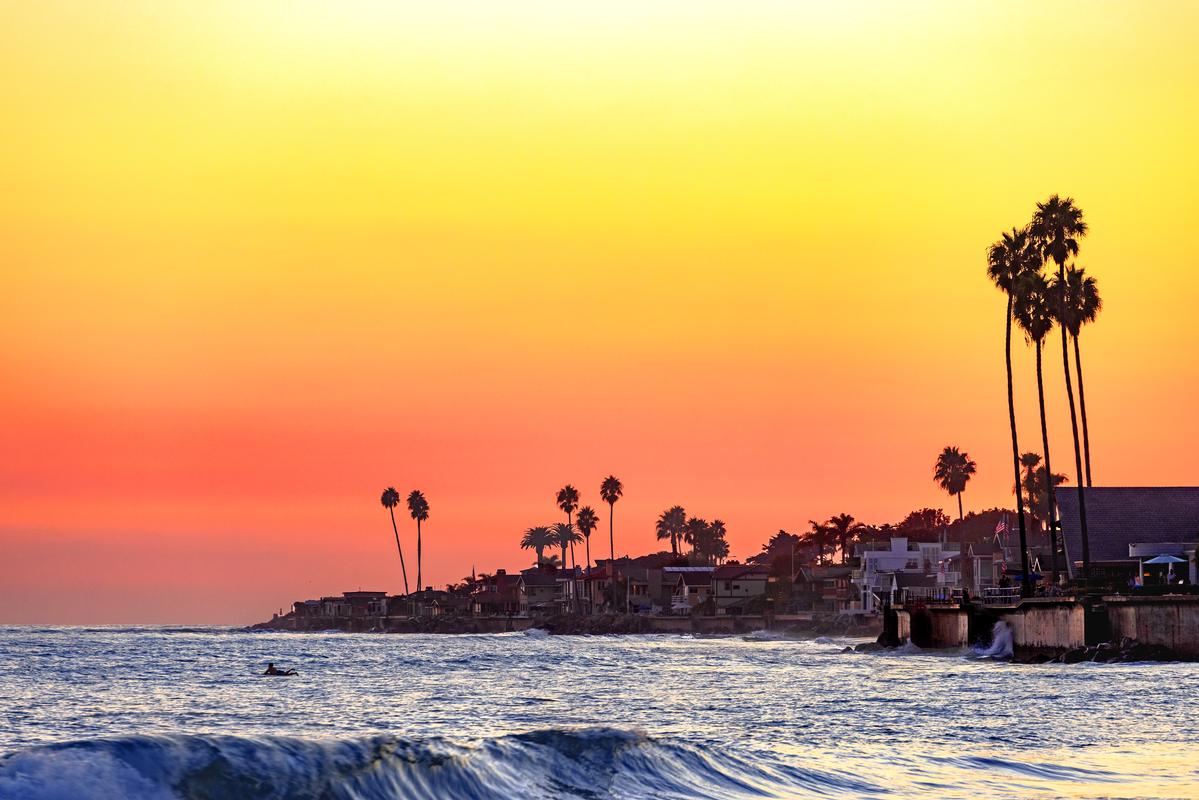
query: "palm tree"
1037, 488
1007, 260
568, 501
670, 526
565, 536
586, 522
842, 529
818, 536
418, 507
952, 472
538, 538
693, 532
1056, 227
1034, 313
716, 546
1082, 304
391, 499
610, 491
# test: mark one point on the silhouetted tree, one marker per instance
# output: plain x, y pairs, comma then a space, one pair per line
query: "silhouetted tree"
1056, 227
538, 538
610, 491
391, 499
1080, 307
670, 526
418, 507
1007, 261
568, 501
843, 528
952, 472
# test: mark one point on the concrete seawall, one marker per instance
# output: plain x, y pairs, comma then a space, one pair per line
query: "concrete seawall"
1052, 625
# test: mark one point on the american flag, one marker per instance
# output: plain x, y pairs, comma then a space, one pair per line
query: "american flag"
1002, 526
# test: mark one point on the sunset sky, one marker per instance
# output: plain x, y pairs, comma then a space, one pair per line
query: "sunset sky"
262, 260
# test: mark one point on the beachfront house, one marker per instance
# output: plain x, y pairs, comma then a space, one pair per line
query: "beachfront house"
332, 606
692, 586
500, 595
879, 562
736, 587
1128, 525
824, 588
541, 589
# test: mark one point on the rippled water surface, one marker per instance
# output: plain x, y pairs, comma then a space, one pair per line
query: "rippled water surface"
162, 713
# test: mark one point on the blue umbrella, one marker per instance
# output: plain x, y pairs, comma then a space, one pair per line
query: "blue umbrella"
1166, 560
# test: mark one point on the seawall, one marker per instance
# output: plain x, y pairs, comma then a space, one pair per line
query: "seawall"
1056, 625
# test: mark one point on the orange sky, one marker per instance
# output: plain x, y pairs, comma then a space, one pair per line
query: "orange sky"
262, 260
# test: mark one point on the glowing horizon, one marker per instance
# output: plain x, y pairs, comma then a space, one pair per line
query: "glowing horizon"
264, 261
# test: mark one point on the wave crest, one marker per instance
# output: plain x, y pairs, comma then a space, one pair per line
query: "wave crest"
585, 763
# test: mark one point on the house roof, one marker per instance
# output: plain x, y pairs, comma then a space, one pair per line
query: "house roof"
732, 572
908, 580
695, 578
1118, 516
541, 579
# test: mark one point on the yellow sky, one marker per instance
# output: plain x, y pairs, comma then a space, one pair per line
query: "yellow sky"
263, 258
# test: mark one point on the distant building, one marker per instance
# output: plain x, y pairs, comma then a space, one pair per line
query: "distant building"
735, 587
880, 562
500, 595
692, 586
1126, 524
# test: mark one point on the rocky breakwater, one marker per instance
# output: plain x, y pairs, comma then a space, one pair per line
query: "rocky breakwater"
1124, 650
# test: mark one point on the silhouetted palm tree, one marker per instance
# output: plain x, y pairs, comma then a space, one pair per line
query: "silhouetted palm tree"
670, 526
565, 536
568, 501
693, 531
952, 472
1034, 312
1056, 227
715, 545
610, 491
391, 499
418, 507
843, 528
819, 535
538, 538
586, 522
1007, 260
1082, 304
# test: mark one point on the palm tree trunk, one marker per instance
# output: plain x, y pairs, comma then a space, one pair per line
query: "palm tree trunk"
418, 555
1025, 588
961, 516
1082, 408
1050, 499
1082, 499
399, 549
612, 555
590, 604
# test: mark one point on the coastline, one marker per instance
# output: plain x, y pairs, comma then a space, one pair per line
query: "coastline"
583, 624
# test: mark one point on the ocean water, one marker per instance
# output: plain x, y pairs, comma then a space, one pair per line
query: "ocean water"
162, 713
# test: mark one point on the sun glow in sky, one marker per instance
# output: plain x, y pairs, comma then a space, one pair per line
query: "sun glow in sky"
261, 260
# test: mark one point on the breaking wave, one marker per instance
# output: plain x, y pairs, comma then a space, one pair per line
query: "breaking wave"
586, 763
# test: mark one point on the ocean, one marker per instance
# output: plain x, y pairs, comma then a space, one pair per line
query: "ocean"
166, 713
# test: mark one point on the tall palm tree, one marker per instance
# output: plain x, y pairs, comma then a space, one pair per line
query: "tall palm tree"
1056, 227
843, 528
418, 507
610, 491
1034, 313
670, 526
952, 472
1007, 260
538, 538
586, 521
568, 501
1082, 304
391, 499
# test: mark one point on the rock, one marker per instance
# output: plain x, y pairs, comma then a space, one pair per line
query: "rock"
869, 647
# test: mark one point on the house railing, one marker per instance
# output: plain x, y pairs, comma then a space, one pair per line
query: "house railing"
1001, 596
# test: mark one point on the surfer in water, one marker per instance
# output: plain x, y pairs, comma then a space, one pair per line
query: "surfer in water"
271, 669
